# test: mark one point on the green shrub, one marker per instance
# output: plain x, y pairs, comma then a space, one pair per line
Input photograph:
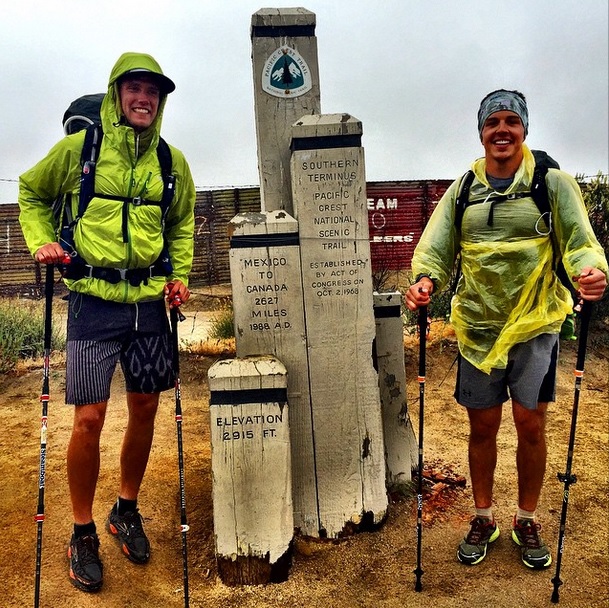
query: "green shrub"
223, 325
22, 332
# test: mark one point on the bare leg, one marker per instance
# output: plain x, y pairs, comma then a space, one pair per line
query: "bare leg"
137, 442
484, 426
531, 453
83, 458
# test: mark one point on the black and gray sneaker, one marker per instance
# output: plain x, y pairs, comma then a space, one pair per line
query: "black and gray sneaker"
86, 569
535, 553
129, 532
472, 549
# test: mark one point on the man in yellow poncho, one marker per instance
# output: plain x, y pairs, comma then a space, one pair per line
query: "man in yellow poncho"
508, 308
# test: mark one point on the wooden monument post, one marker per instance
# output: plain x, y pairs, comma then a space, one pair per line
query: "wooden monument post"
286, 86
303, 303
269, 318
329, 196
401, 450
252, 492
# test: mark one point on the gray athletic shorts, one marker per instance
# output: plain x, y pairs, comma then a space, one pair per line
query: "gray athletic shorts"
101, 333
529, 378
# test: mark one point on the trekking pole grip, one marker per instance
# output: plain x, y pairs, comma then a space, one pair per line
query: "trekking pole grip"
585, 315
422, 323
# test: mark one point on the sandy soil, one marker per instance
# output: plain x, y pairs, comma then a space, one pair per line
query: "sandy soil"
368, 570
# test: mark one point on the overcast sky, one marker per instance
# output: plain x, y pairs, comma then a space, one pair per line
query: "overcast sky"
413, 71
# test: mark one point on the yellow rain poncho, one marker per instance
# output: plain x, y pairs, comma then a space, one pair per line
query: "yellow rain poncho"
507, 292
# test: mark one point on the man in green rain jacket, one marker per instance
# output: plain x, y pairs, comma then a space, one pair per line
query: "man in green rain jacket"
111, 317
508, 308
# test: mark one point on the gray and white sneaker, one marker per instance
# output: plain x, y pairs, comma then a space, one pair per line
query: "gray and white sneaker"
535, 553
473, 547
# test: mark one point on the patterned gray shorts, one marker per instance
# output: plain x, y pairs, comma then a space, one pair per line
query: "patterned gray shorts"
102, 333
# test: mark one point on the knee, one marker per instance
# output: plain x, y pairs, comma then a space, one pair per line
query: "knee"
484, 424
89, 419
483, 434
531, 432
530, 425
143, 407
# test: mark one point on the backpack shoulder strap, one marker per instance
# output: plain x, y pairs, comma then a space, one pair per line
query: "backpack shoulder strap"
166, 164
92, 143
540, 194
539, 187
88, 160
463, 197
164, 154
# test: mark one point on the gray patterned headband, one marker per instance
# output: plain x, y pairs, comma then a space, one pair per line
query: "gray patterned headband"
503, 100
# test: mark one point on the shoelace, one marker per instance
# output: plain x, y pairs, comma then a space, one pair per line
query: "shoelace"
133, 519
480, 531
87, 550
528, 534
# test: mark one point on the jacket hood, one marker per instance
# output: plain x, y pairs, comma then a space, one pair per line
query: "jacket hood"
111, 111
140, 62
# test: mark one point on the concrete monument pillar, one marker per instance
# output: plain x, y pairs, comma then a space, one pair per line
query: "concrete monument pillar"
329, 196
286, 86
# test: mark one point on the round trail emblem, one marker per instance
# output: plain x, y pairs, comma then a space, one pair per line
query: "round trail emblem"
286, 74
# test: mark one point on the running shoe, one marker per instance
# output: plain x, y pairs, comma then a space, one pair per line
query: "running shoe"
472, 549
535, 553
86, 569
129, 532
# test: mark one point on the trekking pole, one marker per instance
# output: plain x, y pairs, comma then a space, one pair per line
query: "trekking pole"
567, 477
176, 315
422, 340
44, 399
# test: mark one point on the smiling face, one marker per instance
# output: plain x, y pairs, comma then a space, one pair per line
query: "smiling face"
140, 97
502, 137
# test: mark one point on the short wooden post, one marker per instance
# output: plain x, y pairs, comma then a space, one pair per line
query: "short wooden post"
251, 469
400, 442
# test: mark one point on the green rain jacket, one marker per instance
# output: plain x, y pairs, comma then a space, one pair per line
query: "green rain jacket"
507, 292
127, 166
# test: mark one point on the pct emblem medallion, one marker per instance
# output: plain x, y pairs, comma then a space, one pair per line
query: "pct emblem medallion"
286, 74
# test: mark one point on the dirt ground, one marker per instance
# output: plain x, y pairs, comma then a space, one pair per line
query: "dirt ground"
367, 570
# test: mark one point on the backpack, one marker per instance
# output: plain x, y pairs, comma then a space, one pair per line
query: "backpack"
84, 113
539, 194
